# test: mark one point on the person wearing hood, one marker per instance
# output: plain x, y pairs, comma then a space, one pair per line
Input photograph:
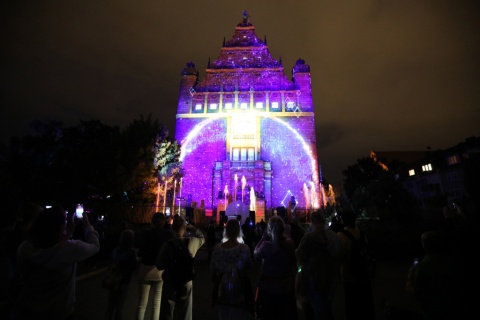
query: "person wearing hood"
319, 264
47, 263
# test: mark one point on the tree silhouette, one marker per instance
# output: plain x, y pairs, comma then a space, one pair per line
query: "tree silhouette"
88, 161
375, 192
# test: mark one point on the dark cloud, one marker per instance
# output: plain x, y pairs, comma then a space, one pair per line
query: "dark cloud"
388, 75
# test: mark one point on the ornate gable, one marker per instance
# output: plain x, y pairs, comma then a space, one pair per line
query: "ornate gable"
244, 63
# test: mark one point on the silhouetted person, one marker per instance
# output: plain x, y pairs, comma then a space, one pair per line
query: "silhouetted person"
232, 256
357, 291
287, 228
318, 258
249, 234
211, 238
98, 226
177, 298
336, 224
263, 225
436, 281
276, 285
168, 222
47, 263
296, 231
11, 238
149, 277
126, 258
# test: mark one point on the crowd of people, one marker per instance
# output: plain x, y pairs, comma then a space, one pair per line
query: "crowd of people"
299, 270
40, 252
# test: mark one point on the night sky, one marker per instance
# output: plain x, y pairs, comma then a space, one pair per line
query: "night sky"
389, 75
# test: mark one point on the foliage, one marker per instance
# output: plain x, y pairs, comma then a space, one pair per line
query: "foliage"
166, 165
166, 155
375, 192
87, 161
137, 159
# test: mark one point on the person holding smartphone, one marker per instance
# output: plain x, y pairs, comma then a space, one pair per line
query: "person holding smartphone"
411, 277
47, 266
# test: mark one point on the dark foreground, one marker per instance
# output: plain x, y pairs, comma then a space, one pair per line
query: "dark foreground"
388, 287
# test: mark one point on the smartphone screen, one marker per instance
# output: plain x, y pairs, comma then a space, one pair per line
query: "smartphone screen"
415, 262
79, 211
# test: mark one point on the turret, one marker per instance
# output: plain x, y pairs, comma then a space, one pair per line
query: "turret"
187, 84
302, 80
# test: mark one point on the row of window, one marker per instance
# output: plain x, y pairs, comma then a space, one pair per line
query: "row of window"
452, 176
274, 106
425, 168
452, 160
243, 154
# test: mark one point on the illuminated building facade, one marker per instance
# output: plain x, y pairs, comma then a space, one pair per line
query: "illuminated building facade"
247, 130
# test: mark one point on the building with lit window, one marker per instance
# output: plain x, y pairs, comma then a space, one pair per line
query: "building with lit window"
435, 177
246, 130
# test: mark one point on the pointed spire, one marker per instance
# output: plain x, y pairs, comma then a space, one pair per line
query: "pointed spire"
245, 21
208, 65
223, 42
265, 40
280, 61
245, 15
321, 175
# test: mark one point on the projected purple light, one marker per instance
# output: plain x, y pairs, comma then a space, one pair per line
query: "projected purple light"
246, 118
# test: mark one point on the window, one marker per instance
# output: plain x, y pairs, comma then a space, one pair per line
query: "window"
453, 160
457, 193
453, 176
274, 105
244, 105
411, 172
251, 155
427, 167
236, 154
290, 105
259, 105
213, 106
198, 106
228, 105
243, 154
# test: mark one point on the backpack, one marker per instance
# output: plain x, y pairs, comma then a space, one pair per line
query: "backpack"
113, 277
230, 288
362, 260
183, 267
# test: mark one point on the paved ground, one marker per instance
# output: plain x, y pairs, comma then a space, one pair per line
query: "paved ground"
388, 286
